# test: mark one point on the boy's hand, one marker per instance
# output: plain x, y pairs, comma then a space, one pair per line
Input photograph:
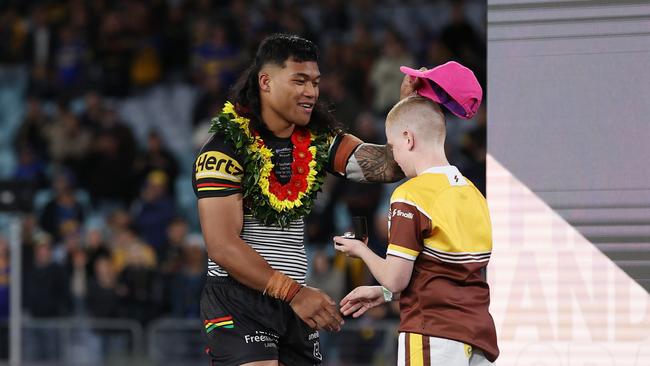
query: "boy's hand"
409, 85
361, 299
351, 247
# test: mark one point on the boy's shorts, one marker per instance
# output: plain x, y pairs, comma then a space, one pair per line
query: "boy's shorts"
416, 349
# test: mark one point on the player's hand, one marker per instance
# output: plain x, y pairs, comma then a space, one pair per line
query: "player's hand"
316, 309
361, 299
409, 85
351, 247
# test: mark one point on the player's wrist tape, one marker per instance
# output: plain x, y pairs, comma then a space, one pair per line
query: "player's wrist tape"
388, 296
281, 286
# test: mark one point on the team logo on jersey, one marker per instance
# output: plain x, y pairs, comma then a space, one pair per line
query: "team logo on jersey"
223, 322
400, 213
215, 164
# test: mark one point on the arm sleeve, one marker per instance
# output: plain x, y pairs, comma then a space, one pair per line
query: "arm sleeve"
217, 170
342, 147
408, 227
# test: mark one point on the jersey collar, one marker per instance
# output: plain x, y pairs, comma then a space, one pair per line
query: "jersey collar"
453, 174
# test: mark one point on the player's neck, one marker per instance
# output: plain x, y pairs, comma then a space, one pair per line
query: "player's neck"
277, 125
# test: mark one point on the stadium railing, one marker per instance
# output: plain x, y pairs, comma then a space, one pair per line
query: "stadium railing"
90, 341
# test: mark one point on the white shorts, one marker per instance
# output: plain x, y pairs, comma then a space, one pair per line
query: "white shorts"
418, 350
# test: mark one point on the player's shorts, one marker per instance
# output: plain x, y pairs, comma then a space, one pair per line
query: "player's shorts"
416, 349
242, 325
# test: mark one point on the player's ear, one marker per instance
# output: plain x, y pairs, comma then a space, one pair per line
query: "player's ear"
264, 79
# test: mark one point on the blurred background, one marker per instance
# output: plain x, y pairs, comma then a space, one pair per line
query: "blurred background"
103, 105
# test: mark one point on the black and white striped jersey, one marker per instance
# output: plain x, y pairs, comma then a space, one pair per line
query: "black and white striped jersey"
218, 172
284, 250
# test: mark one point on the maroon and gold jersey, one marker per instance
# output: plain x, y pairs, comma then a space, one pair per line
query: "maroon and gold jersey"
441, 221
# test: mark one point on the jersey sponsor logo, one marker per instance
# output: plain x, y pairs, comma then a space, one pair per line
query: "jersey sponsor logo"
261, 337
313, 336
317, 354
400, 213
215, 164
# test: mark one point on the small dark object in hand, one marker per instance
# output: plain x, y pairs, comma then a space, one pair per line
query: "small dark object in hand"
360, 228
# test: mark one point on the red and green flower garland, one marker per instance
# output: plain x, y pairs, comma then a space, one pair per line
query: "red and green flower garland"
269, 201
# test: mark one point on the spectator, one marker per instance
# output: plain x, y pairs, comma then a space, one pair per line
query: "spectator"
172, 259
92, 116
28, 234
63, 207
154, 210
103, 298
325, 277
213, 54
385, 76
461, 38
13, 36
118, 222
46, 295
70, 241
31, 169
212, 98
156, 158
45, 289
108, 168
175, 35
31, 134
320, 223
171, 255
188, 283
137, 282
362, 199
474, 150
127, 242
70, 59
68, 141
114, 54
41, 44
346, 105
146, 66
436, 53
96, 249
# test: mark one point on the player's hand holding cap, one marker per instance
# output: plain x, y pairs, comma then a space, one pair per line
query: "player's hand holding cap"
452, 85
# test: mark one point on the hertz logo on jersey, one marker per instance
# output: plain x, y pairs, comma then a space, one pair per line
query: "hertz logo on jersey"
214, 164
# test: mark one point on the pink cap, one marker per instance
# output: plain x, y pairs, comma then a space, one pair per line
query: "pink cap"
452, 85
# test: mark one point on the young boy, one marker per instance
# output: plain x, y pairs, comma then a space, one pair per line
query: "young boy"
439, 247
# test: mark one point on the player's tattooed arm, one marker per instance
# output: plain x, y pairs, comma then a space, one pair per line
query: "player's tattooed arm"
373, 163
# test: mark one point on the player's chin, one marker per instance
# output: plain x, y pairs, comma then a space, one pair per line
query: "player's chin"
302, 120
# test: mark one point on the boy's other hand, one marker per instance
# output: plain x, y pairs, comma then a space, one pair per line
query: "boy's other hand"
361, 299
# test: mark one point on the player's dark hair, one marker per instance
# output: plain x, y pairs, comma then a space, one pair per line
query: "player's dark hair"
277, 49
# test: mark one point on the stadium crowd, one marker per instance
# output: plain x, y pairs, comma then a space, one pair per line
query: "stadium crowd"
108, 237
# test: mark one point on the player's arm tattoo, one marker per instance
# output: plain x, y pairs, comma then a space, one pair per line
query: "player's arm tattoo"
374, 163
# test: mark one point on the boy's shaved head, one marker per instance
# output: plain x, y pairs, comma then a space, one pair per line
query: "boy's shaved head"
420, 115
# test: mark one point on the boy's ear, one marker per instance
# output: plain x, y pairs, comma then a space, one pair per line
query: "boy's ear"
410, 139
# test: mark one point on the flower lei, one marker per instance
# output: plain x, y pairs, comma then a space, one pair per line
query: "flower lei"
269, 201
